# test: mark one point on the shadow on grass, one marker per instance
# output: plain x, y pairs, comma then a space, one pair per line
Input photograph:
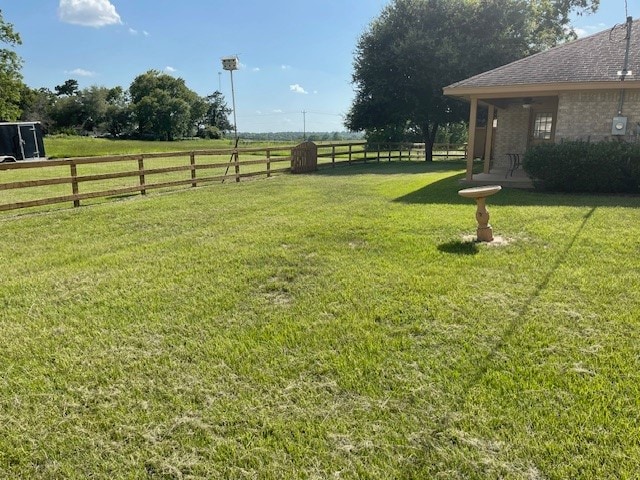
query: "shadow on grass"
459, 247
373, 167
520, 319
489, 361
445, 191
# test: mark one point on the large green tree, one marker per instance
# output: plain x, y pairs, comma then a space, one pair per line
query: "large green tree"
10, 78
163, 105
215, 121
36, 106
416, 47
118, 117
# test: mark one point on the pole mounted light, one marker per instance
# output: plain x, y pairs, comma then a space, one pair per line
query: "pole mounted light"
231, 64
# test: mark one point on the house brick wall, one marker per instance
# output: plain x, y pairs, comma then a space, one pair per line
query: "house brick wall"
588, 115
511, 134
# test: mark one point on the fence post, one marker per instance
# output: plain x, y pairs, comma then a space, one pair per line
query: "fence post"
141, 174
378, 148
236, 164
349, 154
192, 162
389, 154
447, 151
365, 153
333, 156
268, 163
400, 152
74, 183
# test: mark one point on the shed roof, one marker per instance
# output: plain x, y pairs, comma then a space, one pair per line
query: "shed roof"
594, 59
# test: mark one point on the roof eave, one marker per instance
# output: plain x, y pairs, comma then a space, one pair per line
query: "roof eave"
507, 91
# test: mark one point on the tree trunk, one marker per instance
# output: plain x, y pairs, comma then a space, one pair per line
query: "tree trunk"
428, 150
429, 135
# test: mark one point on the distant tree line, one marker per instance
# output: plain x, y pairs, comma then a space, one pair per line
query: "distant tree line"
300, 136
156, 106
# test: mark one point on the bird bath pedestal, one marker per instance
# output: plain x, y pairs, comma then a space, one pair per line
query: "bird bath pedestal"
480, 194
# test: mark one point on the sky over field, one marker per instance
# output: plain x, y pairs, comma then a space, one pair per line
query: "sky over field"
295, 55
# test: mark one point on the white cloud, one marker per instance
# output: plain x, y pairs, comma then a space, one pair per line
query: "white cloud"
133, 31
315, 92
80, 72
256, 69
297, 89
88, 13
589, 30
169, 69
277, 110
285, 67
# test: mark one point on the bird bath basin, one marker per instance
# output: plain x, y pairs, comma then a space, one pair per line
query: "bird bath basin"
480, 194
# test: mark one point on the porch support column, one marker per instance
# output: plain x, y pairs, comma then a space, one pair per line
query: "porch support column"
472, 136
488, 139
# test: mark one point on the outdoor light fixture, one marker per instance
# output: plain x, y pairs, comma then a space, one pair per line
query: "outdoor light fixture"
527, 102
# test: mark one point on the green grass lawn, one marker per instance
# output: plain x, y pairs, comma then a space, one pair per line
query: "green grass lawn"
62, 146
334, 325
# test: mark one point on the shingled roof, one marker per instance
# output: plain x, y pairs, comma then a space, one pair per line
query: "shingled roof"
596, 58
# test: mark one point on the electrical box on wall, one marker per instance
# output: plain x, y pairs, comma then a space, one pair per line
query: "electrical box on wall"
619, 126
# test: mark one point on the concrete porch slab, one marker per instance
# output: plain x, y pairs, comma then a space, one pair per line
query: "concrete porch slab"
519, 179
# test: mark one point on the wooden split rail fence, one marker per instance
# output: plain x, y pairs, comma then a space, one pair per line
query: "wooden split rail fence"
37, 183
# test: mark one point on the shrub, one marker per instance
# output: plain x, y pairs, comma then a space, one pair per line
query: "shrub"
605, 167
210, 132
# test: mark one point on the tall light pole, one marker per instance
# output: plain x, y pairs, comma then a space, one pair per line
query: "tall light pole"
304, 124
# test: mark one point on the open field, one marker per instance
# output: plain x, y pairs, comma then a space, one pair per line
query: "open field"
334, 325
62, 146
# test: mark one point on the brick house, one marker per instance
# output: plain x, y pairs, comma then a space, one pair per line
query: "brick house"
576, 91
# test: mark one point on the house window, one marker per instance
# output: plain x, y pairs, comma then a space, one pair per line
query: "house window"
542, 126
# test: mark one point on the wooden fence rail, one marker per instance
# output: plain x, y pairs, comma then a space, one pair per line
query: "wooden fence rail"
138, 174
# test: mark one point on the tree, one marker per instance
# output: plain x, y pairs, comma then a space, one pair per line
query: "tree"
217, 114
118, 116
68, 88
10, 78
163, 105
36, 106
417, 47
68, 114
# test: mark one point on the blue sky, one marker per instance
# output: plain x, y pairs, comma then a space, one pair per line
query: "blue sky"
295, 55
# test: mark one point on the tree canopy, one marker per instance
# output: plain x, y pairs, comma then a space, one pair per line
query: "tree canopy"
417, 47
68, 88
163, 105
10, 78
157, 106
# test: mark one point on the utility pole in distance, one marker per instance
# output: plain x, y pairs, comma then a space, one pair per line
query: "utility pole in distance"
304, 124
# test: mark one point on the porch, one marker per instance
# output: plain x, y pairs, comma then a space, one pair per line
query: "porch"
499, 176
518, 122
